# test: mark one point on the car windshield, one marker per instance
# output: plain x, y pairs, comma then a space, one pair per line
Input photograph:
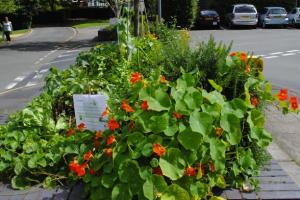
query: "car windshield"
278, 11
209, 12
245, 9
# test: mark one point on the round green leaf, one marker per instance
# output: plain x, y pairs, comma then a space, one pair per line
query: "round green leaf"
201, 122
189, 139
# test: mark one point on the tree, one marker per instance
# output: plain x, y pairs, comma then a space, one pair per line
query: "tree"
7, 6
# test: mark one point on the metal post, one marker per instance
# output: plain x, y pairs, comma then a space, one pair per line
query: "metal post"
159, 10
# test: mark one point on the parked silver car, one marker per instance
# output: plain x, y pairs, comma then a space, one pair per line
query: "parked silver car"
273, 16
242, 15
294, 16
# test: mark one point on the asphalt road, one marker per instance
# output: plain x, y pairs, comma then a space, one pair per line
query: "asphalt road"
25, 62
280, 49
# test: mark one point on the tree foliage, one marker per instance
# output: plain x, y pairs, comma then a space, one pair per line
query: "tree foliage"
7, 6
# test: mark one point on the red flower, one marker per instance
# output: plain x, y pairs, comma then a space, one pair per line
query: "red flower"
70, 132
113, 124
125, 106
92, 172
294, 103
219, 131
105, 112
190, 171
88, 156
232, 54
163, 79
243, 57
135, 77
212, 167
177, 115
283, 95
158, 149
98, 135
81, 127
144, 105
108, 152
110, 140
254, 101
73, 165
157, 171
78, 169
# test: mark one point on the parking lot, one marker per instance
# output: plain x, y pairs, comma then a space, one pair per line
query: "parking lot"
280, 49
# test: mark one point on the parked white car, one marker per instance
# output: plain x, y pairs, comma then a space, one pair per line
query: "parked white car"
273, 16
294, 16
242, 15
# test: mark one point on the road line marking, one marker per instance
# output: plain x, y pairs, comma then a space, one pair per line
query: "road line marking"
66, 55
44, 71
289, 54
29, 84
11, 85
70, 51
291, 51
270, 57
276, 53
49, 63
19, 78
38, 76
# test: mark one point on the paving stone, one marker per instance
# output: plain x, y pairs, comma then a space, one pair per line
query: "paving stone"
76, 192
233, 194
61, 193
273, 180
279, 195
36, 195
279, 187
47, 194
17, 197
3, 119
276, 173
249, 196
271, 167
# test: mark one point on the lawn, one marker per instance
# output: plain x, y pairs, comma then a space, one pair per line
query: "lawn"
89, 23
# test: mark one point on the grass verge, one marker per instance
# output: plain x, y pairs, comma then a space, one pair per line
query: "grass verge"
89, 23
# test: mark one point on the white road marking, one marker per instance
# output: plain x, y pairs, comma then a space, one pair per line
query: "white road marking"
66, 55
74, 50
38, 76
289, 54
276, 53
44, 71
270, 57
19, 78
11, 85
291, 51
29, 84
69, 59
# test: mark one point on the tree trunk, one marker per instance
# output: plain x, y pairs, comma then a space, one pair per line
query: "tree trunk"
136, 18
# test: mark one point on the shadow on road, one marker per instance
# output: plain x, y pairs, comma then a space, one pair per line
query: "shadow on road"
48, 46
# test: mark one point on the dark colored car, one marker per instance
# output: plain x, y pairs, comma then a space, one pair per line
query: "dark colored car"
208, 18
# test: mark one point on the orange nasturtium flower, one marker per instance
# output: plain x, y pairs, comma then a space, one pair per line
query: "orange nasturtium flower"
98, 135
113, 124
108, 152
283, 95
190, 171
125, 106
158, 149
88, 156
144, 105
254, 101
232, 54
219, 131
78, 169
110, 140
135, 77
81, 127
243, 57
294, 103
177, 115
105, 112
70, 132
163, 79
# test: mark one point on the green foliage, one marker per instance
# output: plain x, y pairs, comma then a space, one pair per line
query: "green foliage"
7, 6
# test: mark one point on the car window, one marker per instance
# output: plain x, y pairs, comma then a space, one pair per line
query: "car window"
244, 9
278, 11
209, 12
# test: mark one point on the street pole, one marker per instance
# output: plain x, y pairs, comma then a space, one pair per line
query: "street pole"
159, 11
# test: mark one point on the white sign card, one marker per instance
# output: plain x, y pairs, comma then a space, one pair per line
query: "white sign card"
88, 110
